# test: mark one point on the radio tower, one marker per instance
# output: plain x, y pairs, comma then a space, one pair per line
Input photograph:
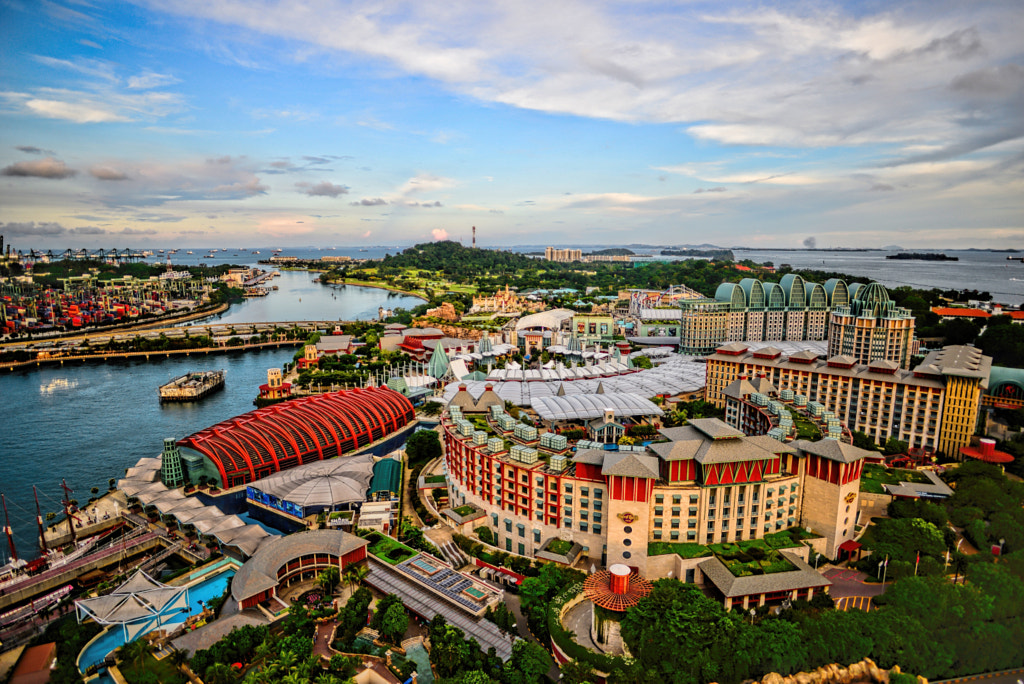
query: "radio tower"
474, 237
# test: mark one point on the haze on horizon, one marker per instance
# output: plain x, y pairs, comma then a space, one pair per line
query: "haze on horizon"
275, 122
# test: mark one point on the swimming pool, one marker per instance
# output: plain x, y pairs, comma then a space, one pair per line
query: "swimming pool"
113, 637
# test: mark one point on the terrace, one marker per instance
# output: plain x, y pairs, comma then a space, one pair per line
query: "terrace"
745, 558
875, 477
389, 550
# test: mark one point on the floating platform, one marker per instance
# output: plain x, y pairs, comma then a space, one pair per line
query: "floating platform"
192, 386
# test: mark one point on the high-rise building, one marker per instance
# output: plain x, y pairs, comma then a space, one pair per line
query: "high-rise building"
563, 255
934, 407
792, 309
871, 327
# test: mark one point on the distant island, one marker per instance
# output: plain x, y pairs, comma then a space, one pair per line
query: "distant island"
922, 256
612, 251
710, 253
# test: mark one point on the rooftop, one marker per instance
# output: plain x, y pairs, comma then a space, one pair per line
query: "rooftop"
732, 586
260, 572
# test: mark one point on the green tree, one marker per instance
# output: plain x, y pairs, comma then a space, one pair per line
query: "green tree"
423, 446
395, 623
895, 446
575, 672
328, 579
528, 663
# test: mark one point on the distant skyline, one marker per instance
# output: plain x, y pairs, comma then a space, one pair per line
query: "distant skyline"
274, 123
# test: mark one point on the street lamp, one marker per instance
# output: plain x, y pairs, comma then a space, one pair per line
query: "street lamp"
1001, 542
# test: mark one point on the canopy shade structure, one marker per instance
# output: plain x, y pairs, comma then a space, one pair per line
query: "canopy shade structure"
591, 406
140, 605
679, 374
345, 479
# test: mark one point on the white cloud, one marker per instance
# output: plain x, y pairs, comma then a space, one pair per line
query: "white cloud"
737, 73
439, 234
151, 79
425, 182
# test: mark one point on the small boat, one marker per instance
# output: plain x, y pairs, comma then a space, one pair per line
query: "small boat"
192, 386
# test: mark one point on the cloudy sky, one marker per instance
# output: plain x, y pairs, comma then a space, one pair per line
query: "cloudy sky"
322, 122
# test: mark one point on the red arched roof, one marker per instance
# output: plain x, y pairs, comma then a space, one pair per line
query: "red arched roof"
300, 431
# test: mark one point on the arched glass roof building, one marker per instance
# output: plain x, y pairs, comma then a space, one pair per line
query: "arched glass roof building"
266, 441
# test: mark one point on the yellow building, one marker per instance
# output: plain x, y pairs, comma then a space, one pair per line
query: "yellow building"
935, 406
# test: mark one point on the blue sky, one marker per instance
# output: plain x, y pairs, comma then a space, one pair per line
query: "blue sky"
264, 122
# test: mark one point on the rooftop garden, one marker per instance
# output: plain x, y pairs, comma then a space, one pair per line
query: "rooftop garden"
753, 557
805, 428
763, 548
682, 550
875, 476
435, 479
558, 547
389, 550
465, 511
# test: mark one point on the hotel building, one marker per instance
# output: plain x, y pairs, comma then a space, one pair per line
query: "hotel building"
709, 483
563, 255
792, 309
935, 406
871, 327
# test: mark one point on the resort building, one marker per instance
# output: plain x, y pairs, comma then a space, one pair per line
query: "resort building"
268, 440
792, 309
293, 558
871, 327
935, 406
504, 301
591, 329
563, 255
541, 330
708, 484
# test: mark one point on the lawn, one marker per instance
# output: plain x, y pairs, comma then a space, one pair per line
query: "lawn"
559, 547
805, 429
435, 479
875, 476
464, 511
149, 669
682, 550
389, 550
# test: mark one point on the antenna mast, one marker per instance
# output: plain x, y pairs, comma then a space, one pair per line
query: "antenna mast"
67, 508
7, 529
39, 521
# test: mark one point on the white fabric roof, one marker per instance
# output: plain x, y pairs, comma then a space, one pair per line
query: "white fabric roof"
322, 483
551, 320
680, 373
590, 406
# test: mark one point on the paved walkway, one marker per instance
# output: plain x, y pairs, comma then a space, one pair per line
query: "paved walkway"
850, 583
324, 636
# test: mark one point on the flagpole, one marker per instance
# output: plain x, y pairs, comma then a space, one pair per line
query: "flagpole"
917, 563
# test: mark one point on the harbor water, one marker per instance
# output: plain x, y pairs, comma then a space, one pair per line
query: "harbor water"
89, 422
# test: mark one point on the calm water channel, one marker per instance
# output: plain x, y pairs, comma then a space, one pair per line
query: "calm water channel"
87, 423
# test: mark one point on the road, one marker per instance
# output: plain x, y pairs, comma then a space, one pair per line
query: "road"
1015, 676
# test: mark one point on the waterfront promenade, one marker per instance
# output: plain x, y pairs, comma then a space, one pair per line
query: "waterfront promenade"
160, 354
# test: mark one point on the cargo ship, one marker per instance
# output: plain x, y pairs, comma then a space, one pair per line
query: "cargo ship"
192, 386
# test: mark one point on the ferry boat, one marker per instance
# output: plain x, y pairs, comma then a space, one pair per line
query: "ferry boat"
192, 386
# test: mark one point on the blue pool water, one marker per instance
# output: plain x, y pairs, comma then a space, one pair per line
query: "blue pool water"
205, 590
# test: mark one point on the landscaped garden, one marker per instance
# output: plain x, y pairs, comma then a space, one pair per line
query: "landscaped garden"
786, 539
389, 550
559, 547
875, 476
753, 557
467, 510
690, 550
805, 429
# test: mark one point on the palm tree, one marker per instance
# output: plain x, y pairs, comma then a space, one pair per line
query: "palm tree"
355, 574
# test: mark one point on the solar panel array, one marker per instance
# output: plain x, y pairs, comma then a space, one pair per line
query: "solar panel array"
447, 582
